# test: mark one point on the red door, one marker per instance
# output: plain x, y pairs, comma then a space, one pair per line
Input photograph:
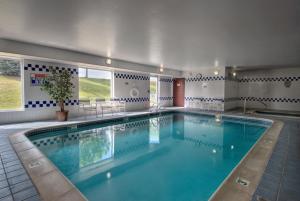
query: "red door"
178, 92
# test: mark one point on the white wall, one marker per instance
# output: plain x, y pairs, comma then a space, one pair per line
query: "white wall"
231, 96
203, 85
37, 104
165, 85
124, 82
268, 86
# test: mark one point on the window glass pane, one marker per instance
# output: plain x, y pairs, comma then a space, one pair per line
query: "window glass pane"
94, 84
153, 90
10, 84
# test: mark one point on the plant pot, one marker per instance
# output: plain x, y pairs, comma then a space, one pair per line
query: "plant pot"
62, 116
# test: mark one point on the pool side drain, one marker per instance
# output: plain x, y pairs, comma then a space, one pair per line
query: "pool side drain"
35, 164
242, 181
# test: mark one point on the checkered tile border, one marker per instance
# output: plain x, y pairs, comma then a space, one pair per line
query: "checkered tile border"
204, 99
169, 80
166, 98
137, 124
55, 140
202, 143
208, 78
231, 99
131, 76
44, 68
278, 100
47, 104
270, 79
134, 100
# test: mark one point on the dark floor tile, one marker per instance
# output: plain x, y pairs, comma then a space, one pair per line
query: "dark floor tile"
3, 184
292, 184
293, 162
266, 194
270, 182
24, 194
5, 155
2, 177
4, 192
34, 198
11, 163
281, 155
18, 179
7, 198
13, 168
275, 171
21, 186
288, 195
7, 160
15, 173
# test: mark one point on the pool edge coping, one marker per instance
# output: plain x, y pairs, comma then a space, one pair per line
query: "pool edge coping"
22, 145
229, 189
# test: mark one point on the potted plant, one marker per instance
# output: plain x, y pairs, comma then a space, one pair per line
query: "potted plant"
59, 87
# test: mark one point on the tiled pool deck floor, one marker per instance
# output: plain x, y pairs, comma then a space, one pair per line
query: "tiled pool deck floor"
281, 179
14, 181
280, 182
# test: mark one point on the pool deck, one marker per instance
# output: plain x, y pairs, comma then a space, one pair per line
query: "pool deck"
280, 180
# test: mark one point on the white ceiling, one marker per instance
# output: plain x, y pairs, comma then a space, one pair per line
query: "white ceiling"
181, 34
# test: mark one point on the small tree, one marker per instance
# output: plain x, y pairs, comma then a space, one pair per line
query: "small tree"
59, 86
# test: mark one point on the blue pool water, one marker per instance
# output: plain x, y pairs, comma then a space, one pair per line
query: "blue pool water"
172, 157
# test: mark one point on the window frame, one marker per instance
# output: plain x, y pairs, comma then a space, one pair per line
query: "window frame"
99, 69
22, 94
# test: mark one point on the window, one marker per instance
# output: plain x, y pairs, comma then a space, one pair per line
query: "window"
153, 91
10, 84
94, 84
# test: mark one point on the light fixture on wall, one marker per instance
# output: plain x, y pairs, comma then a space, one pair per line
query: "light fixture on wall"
161, 68
108, 61
216, 63
216, 72
234, 74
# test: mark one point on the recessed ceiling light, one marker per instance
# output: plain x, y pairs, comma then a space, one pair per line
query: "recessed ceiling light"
108, 61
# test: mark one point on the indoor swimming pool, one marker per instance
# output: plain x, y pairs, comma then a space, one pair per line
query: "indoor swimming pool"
172, 156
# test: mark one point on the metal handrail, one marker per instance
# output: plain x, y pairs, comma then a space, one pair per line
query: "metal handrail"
263, 104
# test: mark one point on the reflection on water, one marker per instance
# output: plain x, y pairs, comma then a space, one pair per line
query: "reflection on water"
73, 150
95, 145
154, 131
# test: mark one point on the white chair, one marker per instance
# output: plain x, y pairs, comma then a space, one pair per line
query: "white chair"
220, 106
206, 106
190, 104
199, 104
119, 106
87, 106
104, 105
